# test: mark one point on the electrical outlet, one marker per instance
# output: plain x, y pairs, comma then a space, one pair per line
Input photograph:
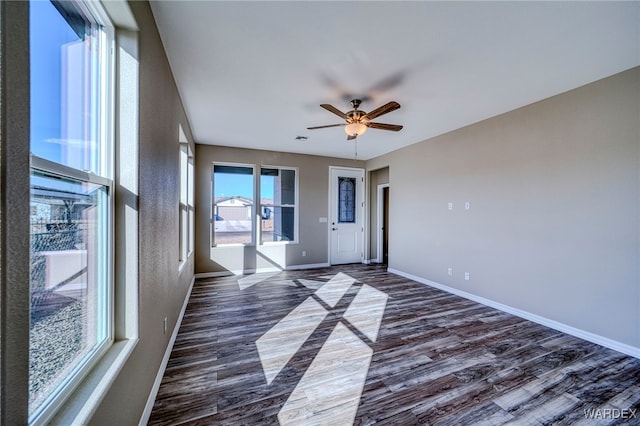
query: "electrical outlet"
304, 253
165, 325
450, 206
467, 276
450, 271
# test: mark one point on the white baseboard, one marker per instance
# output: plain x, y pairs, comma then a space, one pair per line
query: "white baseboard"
236, 272
582, 334
167, 353
213, 274
307, 266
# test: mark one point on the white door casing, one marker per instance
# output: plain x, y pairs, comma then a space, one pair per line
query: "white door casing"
346, 215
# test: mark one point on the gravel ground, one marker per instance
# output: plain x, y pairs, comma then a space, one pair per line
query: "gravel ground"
58, 323
57, 336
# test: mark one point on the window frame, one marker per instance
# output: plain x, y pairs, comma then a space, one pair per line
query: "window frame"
95, 13
295, 206
79, 372
185, 204
212, 205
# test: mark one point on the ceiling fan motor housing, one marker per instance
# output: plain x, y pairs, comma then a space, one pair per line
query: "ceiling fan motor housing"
355, 116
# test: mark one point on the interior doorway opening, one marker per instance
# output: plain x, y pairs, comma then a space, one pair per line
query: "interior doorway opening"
382, 249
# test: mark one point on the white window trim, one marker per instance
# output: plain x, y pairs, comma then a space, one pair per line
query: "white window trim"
186, 231
190, 202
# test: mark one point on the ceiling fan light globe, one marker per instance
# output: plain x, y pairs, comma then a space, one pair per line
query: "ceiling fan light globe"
355, 129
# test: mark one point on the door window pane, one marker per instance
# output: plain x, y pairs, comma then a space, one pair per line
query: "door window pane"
346, 200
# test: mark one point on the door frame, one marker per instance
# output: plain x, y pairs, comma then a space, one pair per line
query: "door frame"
380, 222
361, 210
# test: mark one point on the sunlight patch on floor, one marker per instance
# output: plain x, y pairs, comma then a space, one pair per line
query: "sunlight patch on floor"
278, 345
330, 390
366, 311
335, 288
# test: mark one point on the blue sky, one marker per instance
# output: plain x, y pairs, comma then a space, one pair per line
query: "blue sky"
49, 31
234, 184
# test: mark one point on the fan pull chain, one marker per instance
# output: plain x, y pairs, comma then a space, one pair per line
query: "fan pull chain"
356, 147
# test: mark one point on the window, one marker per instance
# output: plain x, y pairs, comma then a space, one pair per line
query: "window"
278, 198
71, 199
232, 210
190, 203
186, 202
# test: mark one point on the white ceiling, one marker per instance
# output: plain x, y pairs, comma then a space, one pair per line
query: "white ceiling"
253, 74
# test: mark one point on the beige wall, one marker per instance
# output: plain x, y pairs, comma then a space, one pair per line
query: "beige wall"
553, 226
313, 180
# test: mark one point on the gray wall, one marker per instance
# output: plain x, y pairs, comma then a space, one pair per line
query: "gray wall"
162, 288
14, 213
553, 226
313, 179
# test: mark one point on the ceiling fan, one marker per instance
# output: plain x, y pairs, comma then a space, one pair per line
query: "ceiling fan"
357, 121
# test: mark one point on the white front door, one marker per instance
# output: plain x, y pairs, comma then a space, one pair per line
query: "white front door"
346, 215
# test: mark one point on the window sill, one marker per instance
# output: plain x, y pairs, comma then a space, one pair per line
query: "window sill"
83, 402
278, 243
183, 263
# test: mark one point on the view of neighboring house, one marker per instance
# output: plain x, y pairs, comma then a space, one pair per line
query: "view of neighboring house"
232, 219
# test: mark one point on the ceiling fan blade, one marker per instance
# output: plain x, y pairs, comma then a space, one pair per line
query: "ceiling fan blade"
334, 110
384, 109
328, 125
383, 126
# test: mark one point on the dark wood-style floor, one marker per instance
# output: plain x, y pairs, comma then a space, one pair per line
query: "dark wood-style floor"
437, 359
